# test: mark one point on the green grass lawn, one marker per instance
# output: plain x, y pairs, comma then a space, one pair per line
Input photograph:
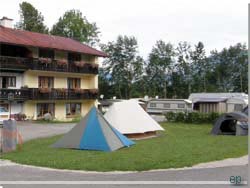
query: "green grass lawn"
180, 145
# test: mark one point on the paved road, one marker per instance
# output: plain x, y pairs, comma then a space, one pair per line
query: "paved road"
120, 186
32, 130
14, 172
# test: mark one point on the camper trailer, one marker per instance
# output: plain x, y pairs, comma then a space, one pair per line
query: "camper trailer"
162, 106
218, 102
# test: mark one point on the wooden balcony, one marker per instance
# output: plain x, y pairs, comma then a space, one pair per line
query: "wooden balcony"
48, 94
19, 94
62, 94
23, 64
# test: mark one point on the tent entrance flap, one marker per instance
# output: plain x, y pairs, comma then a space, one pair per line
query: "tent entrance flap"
228, 127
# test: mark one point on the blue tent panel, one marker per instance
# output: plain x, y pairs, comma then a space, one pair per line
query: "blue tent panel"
123, 138
93, 130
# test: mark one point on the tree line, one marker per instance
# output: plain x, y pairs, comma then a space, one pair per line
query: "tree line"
169, 71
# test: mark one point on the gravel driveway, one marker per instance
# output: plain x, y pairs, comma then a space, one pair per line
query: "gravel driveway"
30, 130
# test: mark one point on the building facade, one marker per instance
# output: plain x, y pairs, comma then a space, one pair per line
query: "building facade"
46, 74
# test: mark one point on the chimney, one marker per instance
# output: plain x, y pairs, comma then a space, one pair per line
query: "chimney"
6, 22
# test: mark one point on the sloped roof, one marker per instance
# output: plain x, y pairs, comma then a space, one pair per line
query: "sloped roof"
209, 100
27, 38
194, 96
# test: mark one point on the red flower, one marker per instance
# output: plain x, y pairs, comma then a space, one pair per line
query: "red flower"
62, 62
79, 63
45, 60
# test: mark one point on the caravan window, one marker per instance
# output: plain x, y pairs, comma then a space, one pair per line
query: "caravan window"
167, 105
152, 105
238, 107
181, 106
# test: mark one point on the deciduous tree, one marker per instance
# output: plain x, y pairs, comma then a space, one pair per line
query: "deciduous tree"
74, 25
124, 64
31, 19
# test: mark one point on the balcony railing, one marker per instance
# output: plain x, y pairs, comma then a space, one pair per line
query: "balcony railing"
63, 94
12, 63
19, 94
22, 64
49, 94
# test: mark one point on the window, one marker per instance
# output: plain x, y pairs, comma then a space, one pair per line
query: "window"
74, 57
43, 108
4, 106
46, 53
14, 51
73, 109
181, 105
74, 83
45, 82
238, 107
7, 81
166, 105
153, 105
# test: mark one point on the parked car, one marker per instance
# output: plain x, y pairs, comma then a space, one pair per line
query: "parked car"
4, 114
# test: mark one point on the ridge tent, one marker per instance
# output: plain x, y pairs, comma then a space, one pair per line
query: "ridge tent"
130, 119
93, 132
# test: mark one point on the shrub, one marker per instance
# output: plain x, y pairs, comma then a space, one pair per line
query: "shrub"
19, 117
180, 117
192, 117
170, 116
213, 116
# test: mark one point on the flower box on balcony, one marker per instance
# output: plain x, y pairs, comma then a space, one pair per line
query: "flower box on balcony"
62, 90
62, 62
88, 64
79, 63
78, 90
94, 65
44, 90
93, 91
44, 60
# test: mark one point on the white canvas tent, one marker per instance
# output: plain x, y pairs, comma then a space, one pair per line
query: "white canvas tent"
128, 117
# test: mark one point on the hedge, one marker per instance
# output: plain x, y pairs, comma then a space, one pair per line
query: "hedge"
192, 117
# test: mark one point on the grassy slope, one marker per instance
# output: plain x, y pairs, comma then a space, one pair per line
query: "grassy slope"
180, 145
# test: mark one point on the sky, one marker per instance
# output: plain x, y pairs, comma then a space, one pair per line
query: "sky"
217, 23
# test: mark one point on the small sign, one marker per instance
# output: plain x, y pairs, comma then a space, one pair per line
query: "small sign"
10, 96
